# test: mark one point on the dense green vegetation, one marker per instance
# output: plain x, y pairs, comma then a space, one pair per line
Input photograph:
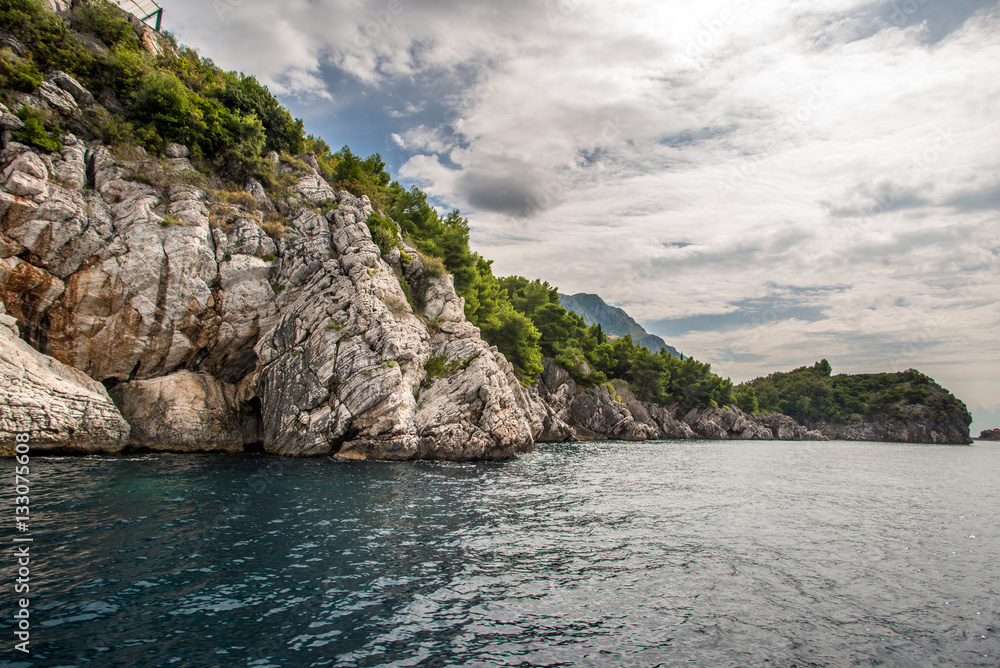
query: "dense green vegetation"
227, 118
591, 357
812, 395
230, 121
34, 133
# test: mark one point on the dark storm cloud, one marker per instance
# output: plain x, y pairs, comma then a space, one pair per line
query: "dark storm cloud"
507, 186
865, 199
987, 198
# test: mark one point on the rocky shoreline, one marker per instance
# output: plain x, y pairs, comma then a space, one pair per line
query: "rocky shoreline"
140, 308
602, 413
899, 431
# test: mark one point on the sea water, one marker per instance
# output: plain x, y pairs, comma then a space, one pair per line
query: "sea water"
703, 553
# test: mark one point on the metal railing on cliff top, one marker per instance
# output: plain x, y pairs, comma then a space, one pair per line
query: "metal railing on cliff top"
148, 11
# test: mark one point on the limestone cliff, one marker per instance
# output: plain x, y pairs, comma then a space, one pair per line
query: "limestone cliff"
59, 408
222, 312
211, 335
155, 306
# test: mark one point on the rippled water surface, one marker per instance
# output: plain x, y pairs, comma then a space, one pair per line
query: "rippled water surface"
606, 554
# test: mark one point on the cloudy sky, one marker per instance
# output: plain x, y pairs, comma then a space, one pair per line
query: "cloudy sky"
761, 183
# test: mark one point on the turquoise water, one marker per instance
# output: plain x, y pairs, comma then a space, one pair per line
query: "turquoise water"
605, 554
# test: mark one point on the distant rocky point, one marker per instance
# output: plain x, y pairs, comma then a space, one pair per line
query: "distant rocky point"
905, 407
990, 435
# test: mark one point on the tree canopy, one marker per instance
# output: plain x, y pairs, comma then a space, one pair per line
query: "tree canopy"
811, 394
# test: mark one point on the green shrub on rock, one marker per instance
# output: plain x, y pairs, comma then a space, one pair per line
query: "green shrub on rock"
384, 232
33, 132
18, 73
52, 45
106, 22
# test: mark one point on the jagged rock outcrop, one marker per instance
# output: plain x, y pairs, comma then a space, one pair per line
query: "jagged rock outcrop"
899, 431
784, 428
124, 281
344, 369
81, 96
595, 413
478, 408
602, 412
60, 408
724, 423
547, 399
566, 413
187, 412
664, 419
9, 121
213, 335
260, 196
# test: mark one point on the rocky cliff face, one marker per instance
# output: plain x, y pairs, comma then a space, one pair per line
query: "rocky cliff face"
59, 408
128, 279
210, 334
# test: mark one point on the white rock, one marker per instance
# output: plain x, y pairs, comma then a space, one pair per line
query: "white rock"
80, 94
177, 151
24, 185
71, 170
57, 406
58, 98
185, 412
9, 121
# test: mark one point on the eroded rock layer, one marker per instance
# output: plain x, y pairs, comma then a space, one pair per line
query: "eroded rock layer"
213, 334
58, 407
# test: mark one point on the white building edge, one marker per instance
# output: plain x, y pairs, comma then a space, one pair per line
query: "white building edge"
147, 11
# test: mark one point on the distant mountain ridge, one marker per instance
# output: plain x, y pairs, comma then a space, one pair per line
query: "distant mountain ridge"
614, 321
